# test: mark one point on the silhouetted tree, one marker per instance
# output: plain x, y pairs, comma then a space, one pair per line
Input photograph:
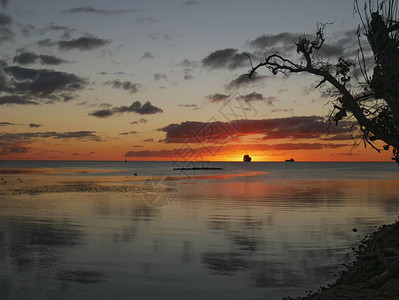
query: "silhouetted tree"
373, 101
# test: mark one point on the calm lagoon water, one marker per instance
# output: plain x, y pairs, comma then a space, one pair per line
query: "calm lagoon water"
249, 231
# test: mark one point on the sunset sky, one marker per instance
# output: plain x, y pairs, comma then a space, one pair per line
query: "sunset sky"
166, 80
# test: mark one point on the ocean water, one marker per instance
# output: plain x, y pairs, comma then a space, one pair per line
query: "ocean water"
246, 231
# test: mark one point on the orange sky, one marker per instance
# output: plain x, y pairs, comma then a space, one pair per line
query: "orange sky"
167, 81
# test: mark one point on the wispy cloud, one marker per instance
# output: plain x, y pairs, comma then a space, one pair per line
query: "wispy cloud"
26, 58
227, 58
143, 109
125, 85
103, 12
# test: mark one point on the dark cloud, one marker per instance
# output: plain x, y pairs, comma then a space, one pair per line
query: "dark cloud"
6, 124
31, 136
33, 84
251, 97
127, 133
147, 55
143, 109
5, 19
257, 97
148, 140
159, 76
44, 81
227, 58
243, 80
20, 73
103, 12
141, 121
33, 125
102, 113
83, 43
51, 60
283, 39
26, 58
4, 3
125, 85
216, 98
309, 127
338, 45
11, 99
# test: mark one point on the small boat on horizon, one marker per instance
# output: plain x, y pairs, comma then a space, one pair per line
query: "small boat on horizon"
290, 160
246, 158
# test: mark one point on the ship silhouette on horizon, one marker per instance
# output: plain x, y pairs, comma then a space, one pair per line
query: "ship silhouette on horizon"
246, 158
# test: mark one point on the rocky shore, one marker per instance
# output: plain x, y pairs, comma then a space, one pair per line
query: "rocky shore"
373, 275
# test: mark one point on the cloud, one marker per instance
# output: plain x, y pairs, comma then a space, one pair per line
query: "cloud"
6, 34
12, 148
293, 128
43, 82
26, 58
216, 98
227, 58
4, 3
243, 81
5, 19
283, 39
148, 140
159, 76
6, 124
125, 85
187, 63
33, 125
339, 45
11, 99
31, 136
51, 60
257, 97
141, 121
143, 109
66, 31
26, 85
83, 43
103, 12
127, 133
147, 55
102, 113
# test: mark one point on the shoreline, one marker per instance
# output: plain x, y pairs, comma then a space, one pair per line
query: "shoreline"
373, 275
